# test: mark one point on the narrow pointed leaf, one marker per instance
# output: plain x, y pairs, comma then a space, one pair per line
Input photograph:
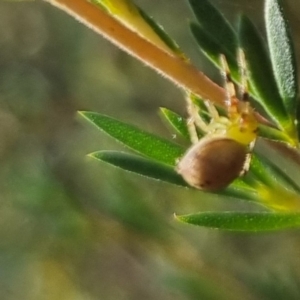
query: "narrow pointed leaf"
282, 53
260, 73
157, 171
240, 221
203, 111
161, 33
269, 174
277, 174
213, 22
138, 140
274, 134
177, 121
240, 192
140, 165
261, 172
212, 48
136, 19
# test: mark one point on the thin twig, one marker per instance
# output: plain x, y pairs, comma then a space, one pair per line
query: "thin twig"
174, 68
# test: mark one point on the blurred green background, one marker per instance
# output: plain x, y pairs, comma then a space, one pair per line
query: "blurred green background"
74, 228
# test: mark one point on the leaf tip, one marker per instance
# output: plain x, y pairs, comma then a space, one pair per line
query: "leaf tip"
91, 155
162, 109
83, 113
179, 218
95, 155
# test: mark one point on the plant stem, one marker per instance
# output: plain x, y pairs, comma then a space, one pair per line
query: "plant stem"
174, 68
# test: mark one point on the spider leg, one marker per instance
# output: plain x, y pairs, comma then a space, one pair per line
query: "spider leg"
194, 120
244, 77
244, 104
212, 110
245, 109
243, 125
231, 98
247, 163
192, 131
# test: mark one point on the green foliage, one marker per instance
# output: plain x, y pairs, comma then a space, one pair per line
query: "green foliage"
161, 33
271, 85
274, 88
212, 48
74, 227
263, 83
137, 19
140, 165
274, 134
215, 25
178, 122
269, 174
282, 54
138, 140
243, 221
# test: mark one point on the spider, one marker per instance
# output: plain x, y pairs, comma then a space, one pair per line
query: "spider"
224, 153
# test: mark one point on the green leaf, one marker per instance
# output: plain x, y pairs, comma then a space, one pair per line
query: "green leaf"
260, 73
177, 121
268, 173
282, 53
274, 134
202, 110
239, 190
214, 24
161, 33
243, 221
140, 165
261, 171
138, 140
162, 172
136, 19
212, 48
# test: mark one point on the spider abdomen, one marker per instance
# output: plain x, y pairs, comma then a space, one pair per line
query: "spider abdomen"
213, 163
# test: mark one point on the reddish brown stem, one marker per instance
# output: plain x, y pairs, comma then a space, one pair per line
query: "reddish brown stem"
174, 68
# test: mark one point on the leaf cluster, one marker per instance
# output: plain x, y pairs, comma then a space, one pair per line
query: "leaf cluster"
271, 70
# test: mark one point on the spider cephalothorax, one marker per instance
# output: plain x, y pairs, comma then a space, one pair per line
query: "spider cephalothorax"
224, 153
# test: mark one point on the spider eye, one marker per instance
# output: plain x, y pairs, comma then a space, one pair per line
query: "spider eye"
213, 163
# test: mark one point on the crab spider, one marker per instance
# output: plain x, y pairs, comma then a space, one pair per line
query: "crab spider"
224, 153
